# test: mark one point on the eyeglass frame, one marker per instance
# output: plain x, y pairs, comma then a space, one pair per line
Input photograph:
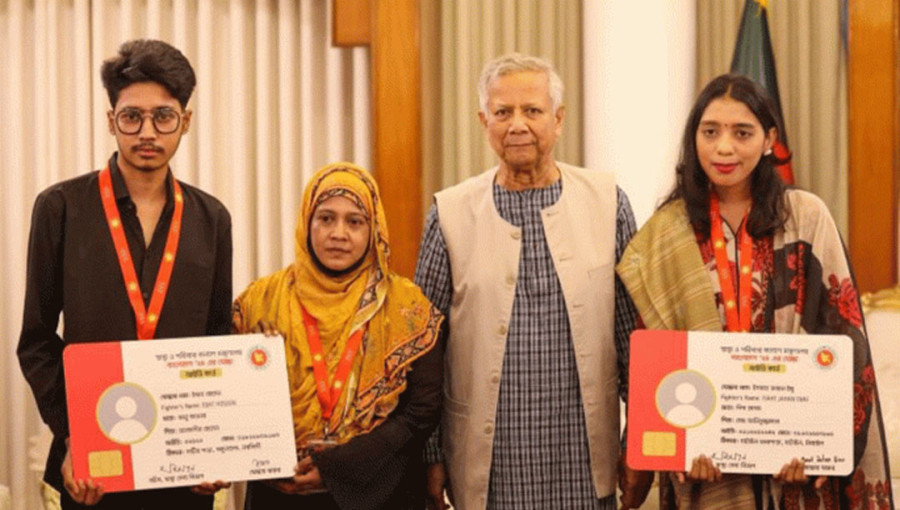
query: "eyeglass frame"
144, 114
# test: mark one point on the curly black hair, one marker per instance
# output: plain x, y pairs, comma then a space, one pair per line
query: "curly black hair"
768, 213
148, 60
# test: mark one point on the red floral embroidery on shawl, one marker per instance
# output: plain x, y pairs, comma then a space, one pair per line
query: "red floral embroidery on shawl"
869, 496
842, 295
796, 262
791, 497
705, 245
810, 498
763, 269
863, 397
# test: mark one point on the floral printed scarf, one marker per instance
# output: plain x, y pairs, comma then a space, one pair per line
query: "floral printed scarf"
400, 324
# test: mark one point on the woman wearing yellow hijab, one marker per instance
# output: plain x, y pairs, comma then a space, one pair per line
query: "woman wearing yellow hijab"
364, 373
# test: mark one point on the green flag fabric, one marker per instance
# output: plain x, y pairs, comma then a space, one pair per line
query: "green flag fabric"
753, 57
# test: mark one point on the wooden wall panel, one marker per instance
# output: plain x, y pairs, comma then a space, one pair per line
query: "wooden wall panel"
351, 22
874, 127
396, 124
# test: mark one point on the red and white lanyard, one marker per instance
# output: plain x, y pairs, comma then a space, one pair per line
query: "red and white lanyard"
146, 319
737, 315
329, 393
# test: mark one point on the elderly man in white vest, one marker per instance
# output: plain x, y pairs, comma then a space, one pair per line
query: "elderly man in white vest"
520, 259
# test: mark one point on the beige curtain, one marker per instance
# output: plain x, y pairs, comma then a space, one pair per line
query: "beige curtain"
459, 37
812, 79
274, 101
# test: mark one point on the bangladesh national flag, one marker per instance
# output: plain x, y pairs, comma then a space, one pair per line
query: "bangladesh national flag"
753, 57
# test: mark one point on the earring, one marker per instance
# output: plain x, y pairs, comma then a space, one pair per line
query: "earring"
768, 152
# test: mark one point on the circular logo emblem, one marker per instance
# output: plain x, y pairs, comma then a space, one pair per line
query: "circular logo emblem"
259, 356
825, 357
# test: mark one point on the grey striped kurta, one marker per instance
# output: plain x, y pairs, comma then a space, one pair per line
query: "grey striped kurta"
540, 452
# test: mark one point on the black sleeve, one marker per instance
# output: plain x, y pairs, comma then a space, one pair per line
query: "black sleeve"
219, 321
366, 471
40, 348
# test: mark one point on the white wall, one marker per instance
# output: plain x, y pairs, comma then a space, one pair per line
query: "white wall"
639, 84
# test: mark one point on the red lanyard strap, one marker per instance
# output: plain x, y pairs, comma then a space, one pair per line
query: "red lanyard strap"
146, 319
737, 317
329, 394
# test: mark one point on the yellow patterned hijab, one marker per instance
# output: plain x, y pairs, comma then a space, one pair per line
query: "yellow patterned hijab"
401, 323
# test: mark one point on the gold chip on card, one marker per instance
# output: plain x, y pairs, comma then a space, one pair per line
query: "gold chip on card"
105, 463
658, 444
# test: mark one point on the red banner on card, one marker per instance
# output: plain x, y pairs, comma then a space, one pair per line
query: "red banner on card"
653, 443
94, 369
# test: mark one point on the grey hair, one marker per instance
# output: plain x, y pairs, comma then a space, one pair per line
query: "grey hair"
514, 63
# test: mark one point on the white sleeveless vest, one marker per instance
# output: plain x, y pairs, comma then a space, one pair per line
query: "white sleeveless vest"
484, 258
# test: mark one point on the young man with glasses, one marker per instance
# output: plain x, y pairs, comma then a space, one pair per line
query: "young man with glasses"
172, 277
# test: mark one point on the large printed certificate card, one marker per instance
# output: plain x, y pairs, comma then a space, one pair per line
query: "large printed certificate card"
750, 403
165, 413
